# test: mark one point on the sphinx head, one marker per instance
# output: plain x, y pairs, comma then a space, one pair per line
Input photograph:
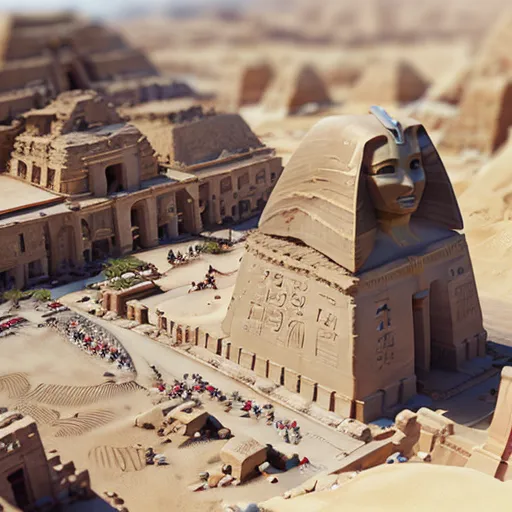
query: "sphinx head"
395, 173
353, 176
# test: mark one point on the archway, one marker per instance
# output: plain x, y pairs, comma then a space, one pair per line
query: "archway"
185, 211
19, 489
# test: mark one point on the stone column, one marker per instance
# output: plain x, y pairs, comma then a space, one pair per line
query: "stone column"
149, 233
421, 316
123, 228
196, 223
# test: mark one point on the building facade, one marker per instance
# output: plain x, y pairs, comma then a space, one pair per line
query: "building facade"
83, 185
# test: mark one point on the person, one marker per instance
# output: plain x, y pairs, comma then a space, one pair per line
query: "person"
193, 287
191, 251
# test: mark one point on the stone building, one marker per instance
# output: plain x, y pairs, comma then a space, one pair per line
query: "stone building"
28, 480
42, 56
83, 184
358, 283
235, 171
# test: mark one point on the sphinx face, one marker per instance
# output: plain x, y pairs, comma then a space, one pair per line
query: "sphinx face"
396, 178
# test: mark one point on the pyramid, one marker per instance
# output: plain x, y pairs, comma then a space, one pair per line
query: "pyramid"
484, 117
494, 57
450, 87
293, 88
253, 83
386, 82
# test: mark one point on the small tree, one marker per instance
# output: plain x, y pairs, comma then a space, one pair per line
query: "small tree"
13, 295
42, 295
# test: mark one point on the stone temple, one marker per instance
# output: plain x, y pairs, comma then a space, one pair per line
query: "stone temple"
358, 286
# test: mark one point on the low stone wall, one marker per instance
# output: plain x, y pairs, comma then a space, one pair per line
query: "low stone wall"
312, 391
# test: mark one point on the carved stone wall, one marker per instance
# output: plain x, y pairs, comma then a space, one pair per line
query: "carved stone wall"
357, 339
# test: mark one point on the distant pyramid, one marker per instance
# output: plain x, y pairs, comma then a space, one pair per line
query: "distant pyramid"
293, 88
495, 56
386, 82
484, 118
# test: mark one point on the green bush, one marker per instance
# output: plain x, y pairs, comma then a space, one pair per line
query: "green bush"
123, 283
42, 295
211, 248
118, 267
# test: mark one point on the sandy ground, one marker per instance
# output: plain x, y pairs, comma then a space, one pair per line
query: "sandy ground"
47, 377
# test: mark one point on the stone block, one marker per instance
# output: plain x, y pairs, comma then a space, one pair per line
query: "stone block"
291, 379
201, 338
244, 455
370, 408
342, 405
213, 344
246, 359
472, 348
275, 372
307, 388
261, 366
426, 442
392, 395
325, 397
408, 389
142, 314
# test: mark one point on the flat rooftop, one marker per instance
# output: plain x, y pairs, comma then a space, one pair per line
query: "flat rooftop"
16, 195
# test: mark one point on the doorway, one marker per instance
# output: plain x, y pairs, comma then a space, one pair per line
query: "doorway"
185, 211
19, 489
422, 335
114, 177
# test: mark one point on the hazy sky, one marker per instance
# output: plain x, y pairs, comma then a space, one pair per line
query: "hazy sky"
103, 7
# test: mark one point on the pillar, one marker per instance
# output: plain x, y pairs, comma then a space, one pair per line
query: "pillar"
421, 316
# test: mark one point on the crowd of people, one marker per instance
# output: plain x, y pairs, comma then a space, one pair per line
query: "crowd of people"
193, 387
92, 338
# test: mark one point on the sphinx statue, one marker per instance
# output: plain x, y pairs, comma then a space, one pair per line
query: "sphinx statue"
358, 281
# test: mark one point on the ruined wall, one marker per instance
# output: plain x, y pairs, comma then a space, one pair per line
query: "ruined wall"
29, 456
148, 164
18, 75
7, 137
14, 104
14, 252
205, 140
247, 186
107, 66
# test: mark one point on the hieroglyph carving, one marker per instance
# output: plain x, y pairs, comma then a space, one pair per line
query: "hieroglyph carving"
326, 347
277, 310
464, 297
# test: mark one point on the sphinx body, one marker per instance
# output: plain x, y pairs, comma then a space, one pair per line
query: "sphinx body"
358, 281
